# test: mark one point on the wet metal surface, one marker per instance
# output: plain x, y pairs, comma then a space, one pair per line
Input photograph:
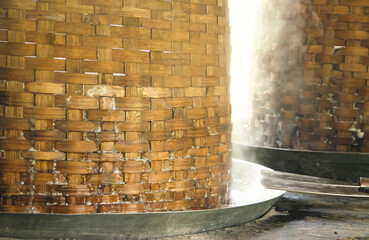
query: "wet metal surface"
306, 184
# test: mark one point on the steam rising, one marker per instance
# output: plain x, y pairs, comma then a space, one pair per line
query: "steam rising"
279, 42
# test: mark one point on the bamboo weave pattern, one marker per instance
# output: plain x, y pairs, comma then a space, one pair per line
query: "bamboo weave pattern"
114, 105
312, 81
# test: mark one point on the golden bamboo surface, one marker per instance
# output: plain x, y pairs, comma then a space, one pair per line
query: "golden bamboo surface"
311, 90
114, 105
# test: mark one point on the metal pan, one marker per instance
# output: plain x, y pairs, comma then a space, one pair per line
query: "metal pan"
341, 166
250, 200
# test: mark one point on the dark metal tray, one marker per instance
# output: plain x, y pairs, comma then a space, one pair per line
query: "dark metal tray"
250, 200
341, 166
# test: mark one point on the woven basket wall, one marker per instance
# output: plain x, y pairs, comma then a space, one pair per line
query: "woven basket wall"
311, 88
114, 105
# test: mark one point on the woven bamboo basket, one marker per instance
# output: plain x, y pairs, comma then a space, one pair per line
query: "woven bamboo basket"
114, 105
311, 90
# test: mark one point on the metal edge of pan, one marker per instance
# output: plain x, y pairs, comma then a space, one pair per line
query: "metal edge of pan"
145, 225
345, 166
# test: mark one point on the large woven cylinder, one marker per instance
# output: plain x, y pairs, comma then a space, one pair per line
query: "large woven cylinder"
114, 105
311, 74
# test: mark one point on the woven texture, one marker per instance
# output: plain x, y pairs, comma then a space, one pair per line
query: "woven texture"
114, 105
311, 90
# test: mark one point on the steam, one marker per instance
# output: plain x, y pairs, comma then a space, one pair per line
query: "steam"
276, 70
243, 14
